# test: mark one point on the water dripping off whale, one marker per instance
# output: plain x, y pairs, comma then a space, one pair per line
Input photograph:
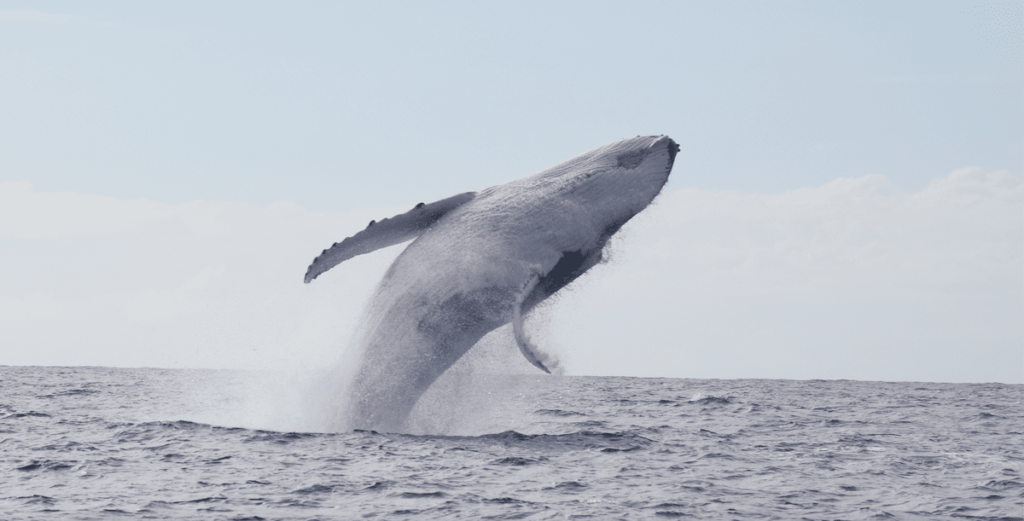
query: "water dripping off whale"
479, 260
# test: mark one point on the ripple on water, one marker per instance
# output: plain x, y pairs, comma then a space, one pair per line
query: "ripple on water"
100, 442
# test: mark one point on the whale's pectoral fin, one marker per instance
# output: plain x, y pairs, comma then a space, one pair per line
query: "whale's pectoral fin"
534, 355
387, 232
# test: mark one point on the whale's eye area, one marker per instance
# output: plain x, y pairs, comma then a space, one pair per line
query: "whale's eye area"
633, 159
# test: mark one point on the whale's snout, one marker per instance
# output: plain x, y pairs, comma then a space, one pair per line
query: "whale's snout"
639, 151
673, 149
670, 146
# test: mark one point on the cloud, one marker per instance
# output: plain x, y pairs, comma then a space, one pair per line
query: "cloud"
852, 279
854, 236
26, 214
101, 281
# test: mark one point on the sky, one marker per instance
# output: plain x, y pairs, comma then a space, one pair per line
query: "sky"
847, 202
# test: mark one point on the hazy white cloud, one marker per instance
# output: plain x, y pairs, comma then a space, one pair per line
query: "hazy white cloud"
852, 279
97, 280
26, 214
858, 236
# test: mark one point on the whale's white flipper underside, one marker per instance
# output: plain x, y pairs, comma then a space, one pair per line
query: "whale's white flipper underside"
533, 355
387, 232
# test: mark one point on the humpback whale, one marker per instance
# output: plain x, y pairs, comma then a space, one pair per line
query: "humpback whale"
480, 260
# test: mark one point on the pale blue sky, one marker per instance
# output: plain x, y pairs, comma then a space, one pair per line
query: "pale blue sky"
340, 104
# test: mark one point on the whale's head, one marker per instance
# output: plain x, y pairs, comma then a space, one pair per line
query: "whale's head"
634, 153
616, 181
587, 199
641, 165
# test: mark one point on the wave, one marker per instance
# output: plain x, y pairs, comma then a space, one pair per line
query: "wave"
706, 399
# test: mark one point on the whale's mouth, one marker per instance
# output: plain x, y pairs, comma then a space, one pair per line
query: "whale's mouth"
673, 149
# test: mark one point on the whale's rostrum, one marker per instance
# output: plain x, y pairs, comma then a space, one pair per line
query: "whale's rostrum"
481, 260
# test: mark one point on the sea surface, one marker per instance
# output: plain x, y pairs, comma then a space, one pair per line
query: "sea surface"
106, 443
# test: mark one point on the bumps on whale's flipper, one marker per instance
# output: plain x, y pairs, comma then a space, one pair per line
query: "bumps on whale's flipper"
387, 232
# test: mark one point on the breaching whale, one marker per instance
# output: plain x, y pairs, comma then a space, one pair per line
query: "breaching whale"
481, 260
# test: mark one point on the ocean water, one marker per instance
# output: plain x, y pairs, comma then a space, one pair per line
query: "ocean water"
105, 443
